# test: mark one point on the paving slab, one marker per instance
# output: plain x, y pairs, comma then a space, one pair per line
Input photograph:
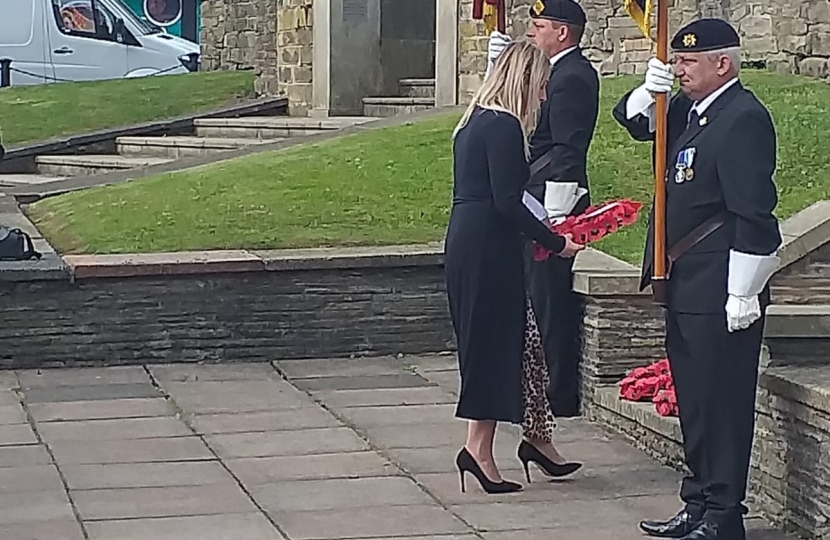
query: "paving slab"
541, 515
432, 537
90, 392
596, 452
29, 507
439, 459
12, 414
213, 372
8, 398
265, 470
366, 417
426, 395
331, 494
585, 485
252, 526
101, 504
57, 529
134, 451
305, 418
360, 382
431, 363
99, 410
370, 522
417, 436
24, 456
30, 478
113, 429
8, 380
341, 367
448, 380
17, 434
579, 429
592, 533
138, 475
287, 443
236, 396
38, 378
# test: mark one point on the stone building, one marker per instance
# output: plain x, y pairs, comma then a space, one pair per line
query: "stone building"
328, 55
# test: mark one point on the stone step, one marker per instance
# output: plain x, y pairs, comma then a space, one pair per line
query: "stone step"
417, 88
178, 147
382, 107
272, 127
16, 180
82, 165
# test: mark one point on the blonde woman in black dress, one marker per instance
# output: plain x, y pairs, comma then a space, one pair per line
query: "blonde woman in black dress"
484, 265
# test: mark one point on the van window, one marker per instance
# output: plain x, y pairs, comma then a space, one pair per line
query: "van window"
84, 18
16, 22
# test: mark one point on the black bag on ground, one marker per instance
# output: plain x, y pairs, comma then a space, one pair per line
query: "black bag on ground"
16, 245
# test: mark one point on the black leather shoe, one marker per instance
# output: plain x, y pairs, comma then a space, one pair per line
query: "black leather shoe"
709, 530
677, 527
705, 530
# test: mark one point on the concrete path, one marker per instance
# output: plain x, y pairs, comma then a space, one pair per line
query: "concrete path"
312, 449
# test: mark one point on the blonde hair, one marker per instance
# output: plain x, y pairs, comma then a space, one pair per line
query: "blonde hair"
512, 86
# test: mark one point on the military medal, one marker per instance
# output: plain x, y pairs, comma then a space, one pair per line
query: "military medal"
684, 165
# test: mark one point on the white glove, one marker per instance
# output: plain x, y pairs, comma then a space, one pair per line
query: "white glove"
496, 45
741, 312
561, 197
748, 275
659, 77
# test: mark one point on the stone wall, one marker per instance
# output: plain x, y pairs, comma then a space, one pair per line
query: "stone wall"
789, 37
241, 35
232, 306
619, 333
295, 45
790, 474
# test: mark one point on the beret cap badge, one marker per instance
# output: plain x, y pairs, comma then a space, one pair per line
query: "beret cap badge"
689, 40
538, 7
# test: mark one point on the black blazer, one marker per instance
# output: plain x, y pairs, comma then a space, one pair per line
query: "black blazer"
566, 126
734, 160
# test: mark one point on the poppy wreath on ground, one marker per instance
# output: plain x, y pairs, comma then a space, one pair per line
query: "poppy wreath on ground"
666, 402
593, 224
651, 383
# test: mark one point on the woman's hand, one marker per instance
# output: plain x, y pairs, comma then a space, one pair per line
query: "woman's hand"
571, 248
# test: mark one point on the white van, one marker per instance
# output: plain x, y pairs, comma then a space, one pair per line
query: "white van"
83, 40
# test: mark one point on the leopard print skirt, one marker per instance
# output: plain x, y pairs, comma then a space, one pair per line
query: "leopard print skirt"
538, 423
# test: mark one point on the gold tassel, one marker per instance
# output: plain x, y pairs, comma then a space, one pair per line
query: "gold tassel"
490, 16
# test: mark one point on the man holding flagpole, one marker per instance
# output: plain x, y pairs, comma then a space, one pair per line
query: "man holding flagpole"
721, 238
559, 181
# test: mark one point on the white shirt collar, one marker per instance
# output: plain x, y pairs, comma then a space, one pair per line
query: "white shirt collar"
558, 56
701, 106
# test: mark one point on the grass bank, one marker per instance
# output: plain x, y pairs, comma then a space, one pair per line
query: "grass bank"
391, 186
40, 112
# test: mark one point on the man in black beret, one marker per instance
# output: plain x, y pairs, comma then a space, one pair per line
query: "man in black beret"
559, 180
721, 239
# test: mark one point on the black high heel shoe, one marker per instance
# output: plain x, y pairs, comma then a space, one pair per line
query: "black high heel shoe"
467, 463
528, 453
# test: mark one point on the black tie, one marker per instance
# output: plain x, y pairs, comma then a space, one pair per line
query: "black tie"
694, 119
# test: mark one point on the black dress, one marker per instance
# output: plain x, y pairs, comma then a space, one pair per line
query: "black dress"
484, 265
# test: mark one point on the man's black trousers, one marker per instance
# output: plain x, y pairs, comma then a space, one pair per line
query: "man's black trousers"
715, 373
558, 314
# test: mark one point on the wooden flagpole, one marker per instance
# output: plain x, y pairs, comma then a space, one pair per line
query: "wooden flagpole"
659, 268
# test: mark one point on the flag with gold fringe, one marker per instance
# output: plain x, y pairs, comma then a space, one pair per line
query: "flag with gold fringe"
640, 11
492, 12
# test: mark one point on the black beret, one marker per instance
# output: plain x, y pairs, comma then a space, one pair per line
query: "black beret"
705, 35
564, 11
